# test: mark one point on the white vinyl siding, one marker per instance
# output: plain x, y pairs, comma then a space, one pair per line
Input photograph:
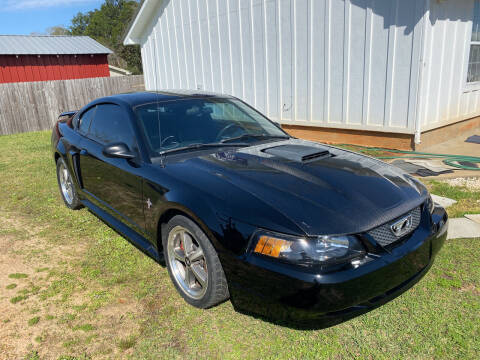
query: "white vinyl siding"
381, 65
332, 63
447, 96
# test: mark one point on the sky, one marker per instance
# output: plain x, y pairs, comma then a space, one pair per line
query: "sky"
27, 16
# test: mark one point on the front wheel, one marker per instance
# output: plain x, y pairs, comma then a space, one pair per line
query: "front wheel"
193, 264
67, 188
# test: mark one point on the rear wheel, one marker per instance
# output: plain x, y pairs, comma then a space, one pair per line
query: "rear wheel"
193, 264
67, 187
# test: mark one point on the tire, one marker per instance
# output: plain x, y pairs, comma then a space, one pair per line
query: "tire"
197, 272
67, 187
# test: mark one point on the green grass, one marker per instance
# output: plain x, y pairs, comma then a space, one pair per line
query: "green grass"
38, 339
17, 299
84, 327
11, 286
18, 276
127, 342
32, 355
34, 321
468, 201
438, 318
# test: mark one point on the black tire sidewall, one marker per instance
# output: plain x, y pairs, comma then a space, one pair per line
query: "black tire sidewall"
210, 298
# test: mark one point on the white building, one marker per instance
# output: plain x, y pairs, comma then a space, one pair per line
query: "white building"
116, 71
386, 72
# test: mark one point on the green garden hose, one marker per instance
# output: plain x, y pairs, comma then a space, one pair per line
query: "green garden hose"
450, 160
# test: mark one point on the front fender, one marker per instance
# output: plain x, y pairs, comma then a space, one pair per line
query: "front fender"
160, 204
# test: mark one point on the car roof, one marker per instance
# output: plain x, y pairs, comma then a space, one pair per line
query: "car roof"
144, 97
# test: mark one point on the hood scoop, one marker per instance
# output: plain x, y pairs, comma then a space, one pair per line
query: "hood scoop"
298, 153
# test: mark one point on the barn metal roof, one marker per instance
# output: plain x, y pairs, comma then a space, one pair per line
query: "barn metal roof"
50, 45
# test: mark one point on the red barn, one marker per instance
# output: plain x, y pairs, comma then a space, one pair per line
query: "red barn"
40, 58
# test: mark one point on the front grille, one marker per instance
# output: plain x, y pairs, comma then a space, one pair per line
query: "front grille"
384, 235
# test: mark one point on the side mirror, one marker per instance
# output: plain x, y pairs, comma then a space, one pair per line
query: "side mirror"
118, 150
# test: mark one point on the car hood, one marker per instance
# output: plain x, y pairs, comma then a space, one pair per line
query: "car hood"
320, 188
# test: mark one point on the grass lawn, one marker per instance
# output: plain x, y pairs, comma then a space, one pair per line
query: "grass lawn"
70, 287
468, 201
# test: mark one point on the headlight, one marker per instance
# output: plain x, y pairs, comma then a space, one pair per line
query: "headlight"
429, 204
321, 250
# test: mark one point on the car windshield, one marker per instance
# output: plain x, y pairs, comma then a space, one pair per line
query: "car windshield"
192, 123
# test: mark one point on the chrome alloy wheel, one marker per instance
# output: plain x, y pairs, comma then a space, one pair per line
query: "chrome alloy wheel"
187, 262
66, 183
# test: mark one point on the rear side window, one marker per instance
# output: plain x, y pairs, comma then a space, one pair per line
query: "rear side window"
86, 120
112, 125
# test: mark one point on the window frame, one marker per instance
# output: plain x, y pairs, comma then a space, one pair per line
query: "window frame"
473, 85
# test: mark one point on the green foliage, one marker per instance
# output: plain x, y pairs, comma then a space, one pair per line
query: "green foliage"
108, 25
32, 355
84, 327
58, 30
468, 201
127, 343
38, 339
69, 357
11, 286
80, 23
34, 321
17, 276
17, 299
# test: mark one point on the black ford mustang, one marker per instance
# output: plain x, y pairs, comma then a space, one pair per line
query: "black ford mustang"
289, 229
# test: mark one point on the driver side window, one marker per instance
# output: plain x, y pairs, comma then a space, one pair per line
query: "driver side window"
111, 125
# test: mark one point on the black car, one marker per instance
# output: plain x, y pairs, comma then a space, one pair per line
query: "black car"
288, 229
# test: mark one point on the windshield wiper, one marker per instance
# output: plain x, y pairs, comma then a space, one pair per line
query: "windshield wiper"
199, 146
260, 137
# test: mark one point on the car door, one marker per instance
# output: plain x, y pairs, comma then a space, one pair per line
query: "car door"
113, 183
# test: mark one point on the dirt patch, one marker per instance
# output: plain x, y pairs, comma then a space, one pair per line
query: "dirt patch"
19, 282
45, 306
471, 289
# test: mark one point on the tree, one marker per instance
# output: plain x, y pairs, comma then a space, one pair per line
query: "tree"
80, 23
107, 25
58, 30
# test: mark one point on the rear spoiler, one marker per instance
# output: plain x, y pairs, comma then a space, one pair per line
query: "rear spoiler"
67, 114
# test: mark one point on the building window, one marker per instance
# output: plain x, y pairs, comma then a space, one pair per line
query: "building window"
474, 61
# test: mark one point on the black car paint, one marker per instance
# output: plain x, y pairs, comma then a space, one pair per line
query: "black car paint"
230, 192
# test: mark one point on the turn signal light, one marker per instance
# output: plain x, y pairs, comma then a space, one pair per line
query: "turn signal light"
270, 246
321, 250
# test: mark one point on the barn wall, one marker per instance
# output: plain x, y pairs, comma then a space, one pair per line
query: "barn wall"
332, 63
26, 68
445, 95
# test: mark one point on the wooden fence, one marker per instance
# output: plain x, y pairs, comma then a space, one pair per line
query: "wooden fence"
33, 106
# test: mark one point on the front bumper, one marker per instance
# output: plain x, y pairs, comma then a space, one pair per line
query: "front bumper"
281, 292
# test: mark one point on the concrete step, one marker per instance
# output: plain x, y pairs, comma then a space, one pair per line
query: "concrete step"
459, 228
443, 201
